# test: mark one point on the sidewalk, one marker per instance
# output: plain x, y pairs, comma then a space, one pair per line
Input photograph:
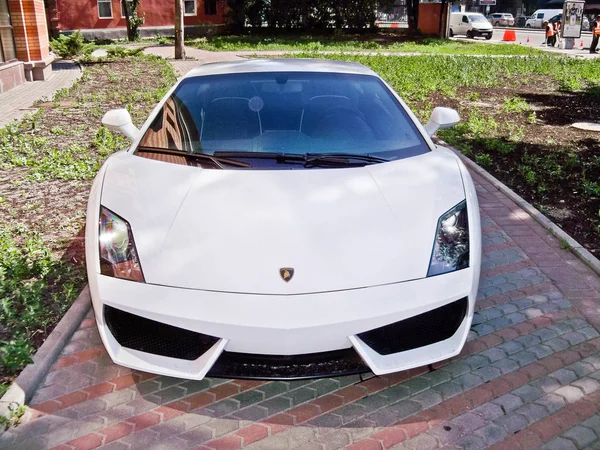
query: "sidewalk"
194, 57
17, 102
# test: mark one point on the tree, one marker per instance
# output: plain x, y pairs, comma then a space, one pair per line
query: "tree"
179, 34
237, 15
412, 10
132, 18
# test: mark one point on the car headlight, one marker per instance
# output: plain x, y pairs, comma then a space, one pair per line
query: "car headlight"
118, 256
451, 247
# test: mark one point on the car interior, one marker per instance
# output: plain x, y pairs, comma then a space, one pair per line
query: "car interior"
293, 113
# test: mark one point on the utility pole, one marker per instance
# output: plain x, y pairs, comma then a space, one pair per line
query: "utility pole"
179, 38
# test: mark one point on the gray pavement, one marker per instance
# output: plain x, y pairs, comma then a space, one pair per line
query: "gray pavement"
536, 38
17, 102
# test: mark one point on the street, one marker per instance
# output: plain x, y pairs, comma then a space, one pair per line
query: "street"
536, 38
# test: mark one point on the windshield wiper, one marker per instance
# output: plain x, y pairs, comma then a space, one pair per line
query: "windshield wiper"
218, 161
308, 159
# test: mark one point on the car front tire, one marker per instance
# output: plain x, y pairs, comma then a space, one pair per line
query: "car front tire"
470, 34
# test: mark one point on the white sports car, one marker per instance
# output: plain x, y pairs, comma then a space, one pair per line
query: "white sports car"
282, 219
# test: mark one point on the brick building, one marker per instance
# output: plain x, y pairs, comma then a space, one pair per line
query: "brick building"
105, 19
24, 50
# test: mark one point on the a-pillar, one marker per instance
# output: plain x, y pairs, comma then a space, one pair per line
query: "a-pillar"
31, 37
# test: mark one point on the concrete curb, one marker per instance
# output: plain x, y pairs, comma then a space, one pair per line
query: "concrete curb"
554, 229
22, 389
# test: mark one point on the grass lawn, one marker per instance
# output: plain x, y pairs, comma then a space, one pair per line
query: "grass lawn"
516, 114
379, 42
47, 163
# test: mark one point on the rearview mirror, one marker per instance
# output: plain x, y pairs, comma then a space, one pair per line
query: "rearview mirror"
441, 118
120, 121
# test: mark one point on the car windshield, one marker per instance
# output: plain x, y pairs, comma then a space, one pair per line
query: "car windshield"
291, 113
477, 18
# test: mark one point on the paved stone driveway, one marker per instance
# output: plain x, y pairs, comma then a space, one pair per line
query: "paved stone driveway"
18, 101
528, 377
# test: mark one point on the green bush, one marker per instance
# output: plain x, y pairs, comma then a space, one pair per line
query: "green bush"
122, 52
70, 46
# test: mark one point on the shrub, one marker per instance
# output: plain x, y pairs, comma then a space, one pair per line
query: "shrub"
122, 52
70, 46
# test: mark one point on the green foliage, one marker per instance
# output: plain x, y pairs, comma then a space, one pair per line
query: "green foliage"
15, 412
564, 244
16, 353
318, 42
532, 118
71, 46
484, 160
36, 288
515, 104
121, 52
591, 188
417, 77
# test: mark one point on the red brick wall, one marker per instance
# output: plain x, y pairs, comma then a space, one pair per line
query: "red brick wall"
429, 17
30, 30
83, 14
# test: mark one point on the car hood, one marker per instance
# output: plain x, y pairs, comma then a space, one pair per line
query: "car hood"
233, 230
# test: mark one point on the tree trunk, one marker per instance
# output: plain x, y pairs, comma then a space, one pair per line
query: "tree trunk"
412, 7
179, 38
125, 7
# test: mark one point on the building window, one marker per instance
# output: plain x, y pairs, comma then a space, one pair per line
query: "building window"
105, 9
189, 7
129, 5
210, 7
7, 39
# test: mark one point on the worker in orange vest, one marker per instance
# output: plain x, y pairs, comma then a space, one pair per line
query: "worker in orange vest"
596, 34
550, 38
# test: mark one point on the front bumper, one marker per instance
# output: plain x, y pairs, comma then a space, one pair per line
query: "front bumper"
289, 336
482, 33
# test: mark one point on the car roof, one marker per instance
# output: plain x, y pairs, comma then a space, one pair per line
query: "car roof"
280, 65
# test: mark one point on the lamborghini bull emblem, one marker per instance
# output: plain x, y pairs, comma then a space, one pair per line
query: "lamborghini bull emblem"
286, 273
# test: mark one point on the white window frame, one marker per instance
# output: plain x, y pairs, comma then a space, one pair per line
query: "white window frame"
111, 8
195, 13
121, 8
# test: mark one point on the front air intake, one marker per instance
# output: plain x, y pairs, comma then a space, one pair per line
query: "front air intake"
149, 336
419, 331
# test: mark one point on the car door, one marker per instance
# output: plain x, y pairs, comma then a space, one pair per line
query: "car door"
464, 24
539, 20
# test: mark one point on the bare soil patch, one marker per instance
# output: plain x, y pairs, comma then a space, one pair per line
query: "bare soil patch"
535, 151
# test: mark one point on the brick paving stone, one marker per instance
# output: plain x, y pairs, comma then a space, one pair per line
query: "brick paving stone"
19, 101
560, 444
581, 436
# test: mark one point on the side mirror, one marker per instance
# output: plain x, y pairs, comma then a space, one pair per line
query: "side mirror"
120, 121
441, 118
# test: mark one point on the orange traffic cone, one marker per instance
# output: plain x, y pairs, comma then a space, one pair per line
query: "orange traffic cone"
509, 35
528, 39
581, 43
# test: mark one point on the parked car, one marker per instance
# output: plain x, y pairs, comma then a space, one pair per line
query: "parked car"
471, 25
501, 20
282, 219
538, 17
520, 21
585, 23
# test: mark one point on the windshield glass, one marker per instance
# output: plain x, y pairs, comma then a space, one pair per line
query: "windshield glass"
287, 112
477, 18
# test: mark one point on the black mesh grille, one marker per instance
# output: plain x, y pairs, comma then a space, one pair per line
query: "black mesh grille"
145, 335
313, 365
418, 331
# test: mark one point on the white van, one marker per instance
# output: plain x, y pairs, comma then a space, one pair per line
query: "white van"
470, 24
537, 18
